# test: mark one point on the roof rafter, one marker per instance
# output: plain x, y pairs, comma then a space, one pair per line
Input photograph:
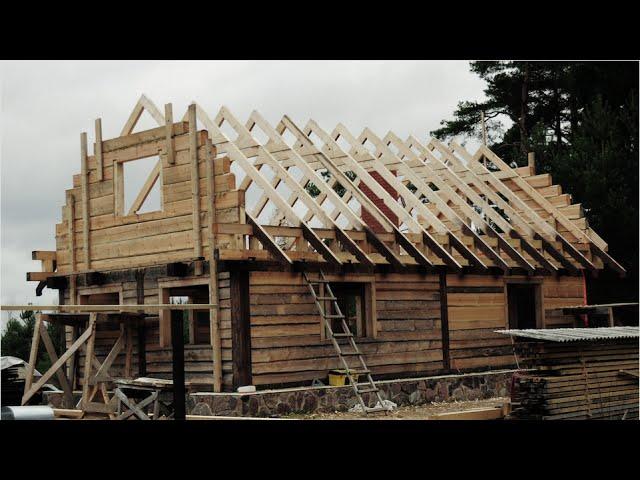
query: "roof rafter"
532, 229
484, 174
429, 166
389, 160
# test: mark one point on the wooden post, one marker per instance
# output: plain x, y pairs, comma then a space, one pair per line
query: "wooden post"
214, 317
85, 200
98, 149
531, 160
240, 328
195, 181
73, 361
88, 357
71, 211
168, 118
177, 343
444, 321
33, 356
484, 129
142, 351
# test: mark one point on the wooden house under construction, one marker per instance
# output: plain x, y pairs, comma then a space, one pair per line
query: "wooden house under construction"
285, 231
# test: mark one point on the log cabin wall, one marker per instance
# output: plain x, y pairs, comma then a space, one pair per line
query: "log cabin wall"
121, 240
286, 343
477, 307
158, 359
286, 330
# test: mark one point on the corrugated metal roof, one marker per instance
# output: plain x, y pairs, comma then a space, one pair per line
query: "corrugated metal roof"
575, 334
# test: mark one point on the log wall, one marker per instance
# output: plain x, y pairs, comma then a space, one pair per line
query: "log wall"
286, 343
118, 240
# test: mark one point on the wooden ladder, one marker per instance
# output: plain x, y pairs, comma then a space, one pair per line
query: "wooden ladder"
359, 388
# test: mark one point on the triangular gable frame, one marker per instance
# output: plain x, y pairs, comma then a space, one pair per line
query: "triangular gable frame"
143, 104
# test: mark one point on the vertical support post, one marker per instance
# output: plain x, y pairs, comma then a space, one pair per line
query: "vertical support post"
531, 161
97, 151
168, 117
164, 319
214, 317
88, 358
177, 343
33, 356
71, 211
142, 351
85, 200
195, 180
118, 187
240, 328
484, 129
444, 321
129, 351
73, 361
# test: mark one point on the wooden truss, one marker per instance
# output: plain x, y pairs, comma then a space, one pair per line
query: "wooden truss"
429, 206
453, 211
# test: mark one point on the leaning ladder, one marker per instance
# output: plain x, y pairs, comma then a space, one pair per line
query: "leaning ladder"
359, 388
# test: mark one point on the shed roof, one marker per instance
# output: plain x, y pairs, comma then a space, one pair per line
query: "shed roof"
575, 334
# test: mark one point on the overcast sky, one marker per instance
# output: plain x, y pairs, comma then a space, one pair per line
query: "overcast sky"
45, 105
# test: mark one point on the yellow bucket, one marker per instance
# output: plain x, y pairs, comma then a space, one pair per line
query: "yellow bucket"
338, 378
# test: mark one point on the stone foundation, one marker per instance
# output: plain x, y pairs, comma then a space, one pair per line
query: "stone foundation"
413, 391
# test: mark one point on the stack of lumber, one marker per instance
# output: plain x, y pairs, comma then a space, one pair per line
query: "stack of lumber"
576, 380
12, 387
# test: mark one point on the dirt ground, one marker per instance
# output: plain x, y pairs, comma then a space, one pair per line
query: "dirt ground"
420, 412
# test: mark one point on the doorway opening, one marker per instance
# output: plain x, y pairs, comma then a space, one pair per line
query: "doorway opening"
524, 306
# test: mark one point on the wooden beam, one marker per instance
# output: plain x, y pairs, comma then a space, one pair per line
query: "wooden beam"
444, 321
38, 276
142, 344
98, 149
44, 255
33, 357
352, 247
143, 104
381, 162
60, 373
90, 333
268, 242
61, 361
168, 117
240, 328
195, 181
102, 375
177, 364
317, 243
85, 200
214, 313
429, 166
384, 249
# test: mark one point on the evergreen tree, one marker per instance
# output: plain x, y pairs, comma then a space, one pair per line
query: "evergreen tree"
16, 339
581, 120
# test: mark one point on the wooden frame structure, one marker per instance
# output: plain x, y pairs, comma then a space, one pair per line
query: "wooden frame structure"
437, 229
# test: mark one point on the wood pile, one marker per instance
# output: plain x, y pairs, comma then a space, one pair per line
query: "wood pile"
576, 380
12, 387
